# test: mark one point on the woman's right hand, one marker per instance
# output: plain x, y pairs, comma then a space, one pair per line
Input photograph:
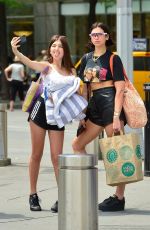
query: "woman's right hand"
15, 44
116, 124
9, 79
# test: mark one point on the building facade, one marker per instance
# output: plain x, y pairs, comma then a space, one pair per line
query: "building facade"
70, 18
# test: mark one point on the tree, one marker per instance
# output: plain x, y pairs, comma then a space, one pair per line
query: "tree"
11, 3
92, 9
92, 13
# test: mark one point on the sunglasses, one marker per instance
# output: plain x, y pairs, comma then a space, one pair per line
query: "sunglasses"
94, 35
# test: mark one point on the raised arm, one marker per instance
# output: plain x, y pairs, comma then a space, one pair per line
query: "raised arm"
39, 66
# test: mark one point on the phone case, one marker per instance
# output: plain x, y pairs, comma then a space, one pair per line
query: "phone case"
23, 39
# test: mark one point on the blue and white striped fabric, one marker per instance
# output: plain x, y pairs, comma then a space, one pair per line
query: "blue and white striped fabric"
65, 104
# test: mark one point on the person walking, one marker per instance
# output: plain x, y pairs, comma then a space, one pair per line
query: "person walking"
17, 74
60, 73
104, 111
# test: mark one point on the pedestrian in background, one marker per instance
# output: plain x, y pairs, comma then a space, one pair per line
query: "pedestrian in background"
60, 69
15, 75
104, 110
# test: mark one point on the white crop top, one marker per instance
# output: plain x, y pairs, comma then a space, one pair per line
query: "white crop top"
16, 71
55, 81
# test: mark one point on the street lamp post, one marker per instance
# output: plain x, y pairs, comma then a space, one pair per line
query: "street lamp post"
125, 34
124, 45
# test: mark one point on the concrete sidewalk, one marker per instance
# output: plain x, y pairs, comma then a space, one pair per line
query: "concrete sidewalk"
14, 187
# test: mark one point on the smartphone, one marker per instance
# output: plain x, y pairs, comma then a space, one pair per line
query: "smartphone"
23, 39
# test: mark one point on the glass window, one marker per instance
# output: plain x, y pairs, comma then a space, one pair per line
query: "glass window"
74, 9
145, 5
136, 6
147, 27
141, 63
136, 25
76, 30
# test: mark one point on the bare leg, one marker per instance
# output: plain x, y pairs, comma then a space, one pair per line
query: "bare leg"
11, 105
120, 191
90, 133
56, 147
37, 138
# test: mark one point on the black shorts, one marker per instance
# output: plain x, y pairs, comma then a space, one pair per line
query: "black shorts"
38, 116
100, 109
16, 87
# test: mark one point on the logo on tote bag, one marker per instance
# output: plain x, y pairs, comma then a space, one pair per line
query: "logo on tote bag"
112, 155
138, 151
128, 169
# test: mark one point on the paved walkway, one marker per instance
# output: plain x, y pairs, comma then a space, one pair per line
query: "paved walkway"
14, 188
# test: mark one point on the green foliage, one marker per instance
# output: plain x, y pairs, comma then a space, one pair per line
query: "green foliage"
12, 3
108, 3
17, 3
15, 7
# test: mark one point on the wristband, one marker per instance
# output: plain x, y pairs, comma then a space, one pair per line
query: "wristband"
116, 114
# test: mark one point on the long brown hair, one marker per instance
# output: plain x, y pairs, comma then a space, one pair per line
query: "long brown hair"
66, 61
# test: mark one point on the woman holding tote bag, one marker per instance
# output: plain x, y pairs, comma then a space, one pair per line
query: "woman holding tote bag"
105, 105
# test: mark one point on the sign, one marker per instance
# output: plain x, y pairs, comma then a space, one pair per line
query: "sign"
140, 44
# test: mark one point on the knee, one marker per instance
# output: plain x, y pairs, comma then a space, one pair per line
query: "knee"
35, 158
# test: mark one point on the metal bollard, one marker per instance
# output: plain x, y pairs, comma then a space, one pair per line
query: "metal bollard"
147, 131
78, 192
4, 161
